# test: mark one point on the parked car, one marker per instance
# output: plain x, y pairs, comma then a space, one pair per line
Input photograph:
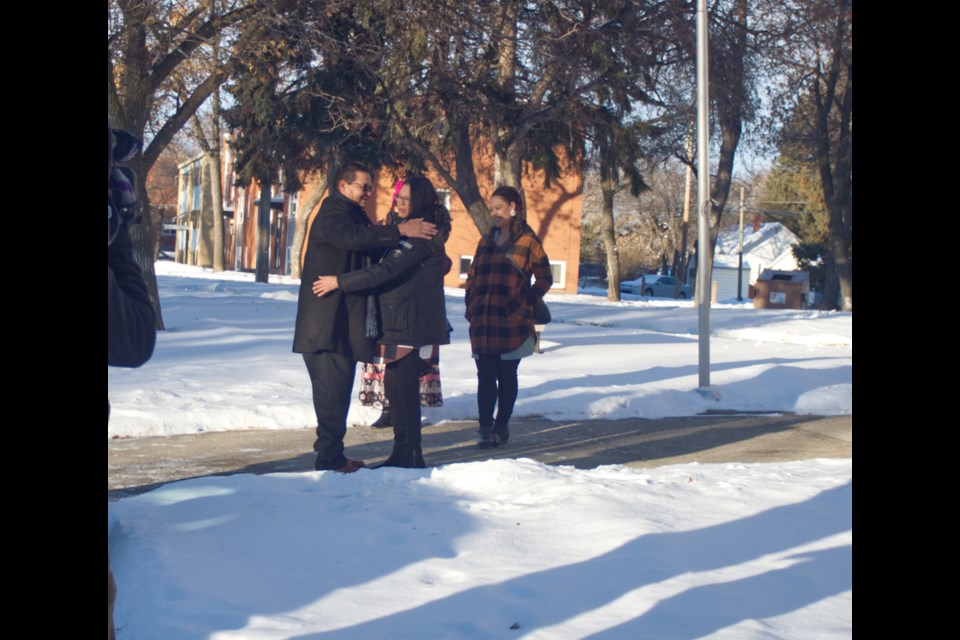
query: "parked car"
654, 285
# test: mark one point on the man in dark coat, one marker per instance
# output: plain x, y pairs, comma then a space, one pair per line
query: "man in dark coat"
331, 331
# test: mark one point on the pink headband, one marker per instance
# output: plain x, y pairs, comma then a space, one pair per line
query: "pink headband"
396, 192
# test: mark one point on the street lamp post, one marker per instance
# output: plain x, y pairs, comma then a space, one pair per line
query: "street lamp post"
703, 196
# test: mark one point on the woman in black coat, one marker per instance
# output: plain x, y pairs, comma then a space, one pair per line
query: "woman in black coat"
409, 283
371, 380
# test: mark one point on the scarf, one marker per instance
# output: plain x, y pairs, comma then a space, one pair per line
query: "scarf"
372, 325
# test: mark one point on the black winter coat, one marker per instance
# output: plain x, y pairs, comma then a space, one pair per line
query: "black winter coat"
131, 331
411, 300
340, 237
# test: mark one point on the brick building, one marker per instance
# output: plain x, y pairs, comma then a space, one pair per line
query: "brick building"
554, 213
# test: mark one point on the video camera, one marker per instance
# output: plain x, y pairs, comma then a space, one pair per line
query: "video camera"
121, 194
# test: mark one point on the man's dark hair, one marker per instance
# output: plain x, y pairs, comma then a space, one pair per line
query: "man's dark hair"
349, 171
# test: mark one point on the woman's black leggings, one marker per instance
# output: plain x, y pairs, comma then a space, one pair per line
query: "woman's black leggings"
401, 384
496, 384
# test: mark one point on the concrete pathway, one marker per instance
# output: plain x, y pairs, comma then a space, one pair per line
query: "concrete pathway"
137, 465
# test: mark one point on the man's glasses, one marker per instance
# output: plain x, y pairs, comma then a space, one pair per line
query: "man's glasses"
367, 188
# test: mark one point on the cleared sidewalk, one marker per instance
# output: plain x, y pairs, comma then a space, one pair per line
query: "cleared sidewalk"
136, 465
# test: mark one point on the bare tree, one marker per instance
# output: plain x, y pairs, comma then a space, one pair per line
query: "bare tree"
162, 186
211, 146
300, 235
817, 95
155, 84
616, 147
517, 78
647, 228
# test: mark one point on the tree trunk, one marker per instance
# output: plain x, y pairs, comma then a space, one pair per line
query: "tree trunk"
730, 96
263, 232
506, 165
687, 183
303, 216
844, 271
132, 89
465, 183
216, 187
831, 284
730, 128
836, 177
609, 238
213, 169
506, 162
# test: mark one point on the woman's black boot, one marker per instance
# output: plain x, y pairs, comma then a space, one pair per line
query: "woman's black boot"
485, 438
398, 457
416, 459
404, 458
384, 420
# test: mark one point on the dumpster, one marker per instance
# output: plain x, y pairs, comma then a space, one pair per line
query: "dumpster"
781, 289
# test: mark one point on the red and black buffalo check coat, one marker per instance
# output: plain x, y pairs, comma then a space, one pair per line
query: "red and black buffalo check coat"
499, 298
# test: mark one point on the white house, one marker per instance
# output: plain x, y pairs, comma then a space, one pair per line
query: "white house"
767, 248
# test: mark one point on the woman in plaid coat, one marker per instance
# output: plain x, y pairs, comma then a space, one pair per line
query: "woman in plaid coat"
499, 301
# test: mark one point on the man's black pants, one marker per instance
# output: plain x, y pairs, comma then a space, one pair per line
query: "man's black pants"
331, 376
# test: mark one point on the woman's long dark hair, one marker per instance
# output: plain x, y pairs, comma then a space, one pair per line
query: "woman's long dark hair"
423, 197
513, 196
424, 203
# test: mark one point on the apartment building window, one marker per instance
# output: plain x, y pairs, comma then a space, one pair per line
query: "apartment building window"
184, 189
444, 195
558, 269
195, 181
291, 230
465, 263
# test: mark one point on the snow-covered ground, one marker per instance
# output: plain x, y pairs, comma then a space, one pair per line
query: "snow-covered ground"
225, 360
496, 549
